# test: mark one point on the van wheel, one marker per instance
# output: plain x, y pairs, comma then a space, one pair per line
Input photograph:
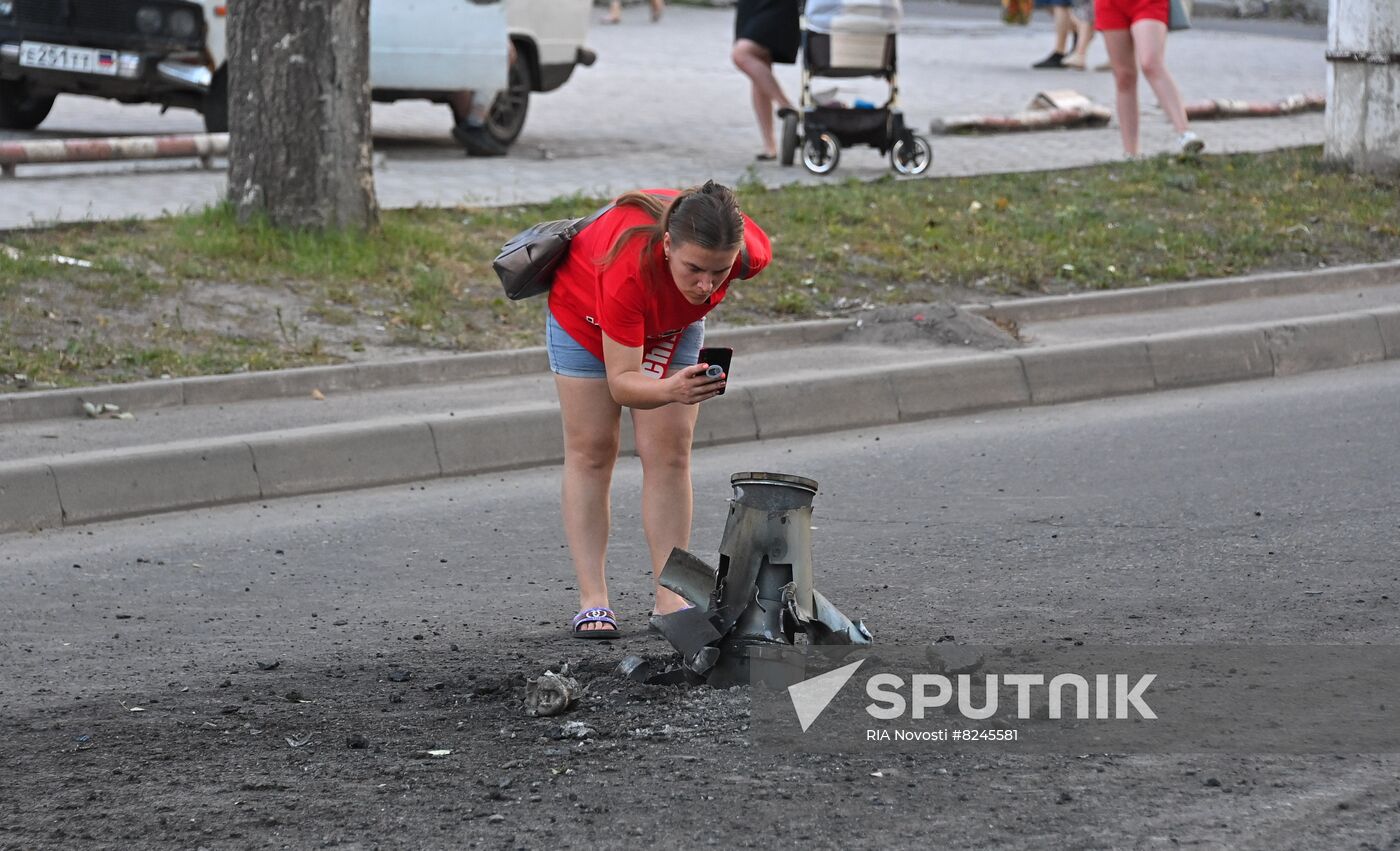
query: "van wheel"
19, 110
508, 110
215, 106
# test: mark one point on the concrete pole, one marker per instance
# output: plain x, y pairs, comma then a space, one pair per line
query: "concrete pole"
1363, 84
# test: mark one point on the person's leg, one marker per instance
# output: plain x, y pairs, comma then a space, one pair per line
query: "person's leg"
1150, 42
614, 13
657, 7
1060, 14
592, 423
1063, 26
1125, 73
756, 63
461, 104
1084, 30
664, 438
470, 114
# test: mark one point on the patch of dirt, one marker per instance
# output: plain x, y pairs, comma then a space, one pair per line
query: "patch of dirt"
939, 323
282, 312
186, 316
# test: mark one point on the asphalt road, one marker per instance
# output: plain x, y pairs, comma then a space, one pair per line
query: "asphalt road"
1262, 512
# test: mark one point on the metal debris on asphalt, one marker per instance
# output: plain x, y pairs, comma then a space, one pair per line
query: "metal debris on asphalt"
299, 741
551, 693
576, 730
759, 597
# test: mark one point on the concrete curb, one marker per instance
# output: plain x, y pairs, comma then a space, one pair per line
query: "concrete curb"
1193, 294
218, 389
87, 487
285, 383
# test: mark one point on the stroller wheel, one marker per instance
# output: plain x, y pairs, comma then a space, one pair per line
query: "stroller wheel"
911, 156
821, 153
788, 151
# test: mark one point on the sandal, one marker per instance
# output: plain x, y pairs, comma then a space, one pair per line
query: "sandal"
602, 615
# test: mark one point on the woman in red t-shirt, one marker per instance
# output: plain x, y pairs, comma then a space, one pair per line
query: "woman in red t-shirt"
1135, 33
626, 322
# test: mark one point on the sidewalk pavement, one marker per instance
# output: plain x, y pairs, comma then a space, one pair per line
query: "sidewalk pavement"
207, 441
664, 107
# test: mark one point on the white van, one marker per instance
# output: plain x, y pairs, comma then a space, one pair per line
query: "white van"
172, 52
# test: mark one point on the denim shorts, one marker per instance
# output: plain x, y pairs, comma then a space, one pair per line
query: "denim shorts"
568, 358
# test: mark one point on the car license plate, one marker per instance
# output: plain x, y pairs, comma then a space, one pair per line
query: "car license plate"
62, 57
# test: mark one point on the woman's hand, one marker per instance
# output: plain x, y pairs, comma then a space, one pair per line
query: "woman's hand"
690, 386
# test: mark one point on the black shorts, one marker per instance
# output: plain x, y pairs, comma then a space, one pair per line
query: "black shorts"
773, 24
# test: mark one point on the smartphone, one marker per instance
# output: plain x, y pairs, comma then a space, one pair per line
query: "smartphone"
717, 356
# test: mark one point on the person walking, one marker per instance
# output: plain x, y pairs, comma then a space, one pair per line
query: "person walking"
766, 31
1135, 33
615, 11
626, 321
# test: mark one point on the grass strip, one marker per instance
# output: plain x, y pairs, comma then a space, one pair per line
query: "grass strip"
200, 294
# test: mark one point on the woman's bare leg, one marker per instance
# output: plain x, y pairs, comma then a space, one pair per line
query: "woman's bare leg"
1125, 74
1150, 43
592, 423
664, 439
1085, 31
757, 64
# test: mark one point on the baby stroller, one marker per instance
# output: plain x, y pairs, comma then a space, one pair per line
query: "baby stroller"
851, 38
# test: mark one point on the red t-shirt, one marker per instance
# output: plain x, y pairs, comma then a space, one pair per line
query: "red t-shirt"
588, 299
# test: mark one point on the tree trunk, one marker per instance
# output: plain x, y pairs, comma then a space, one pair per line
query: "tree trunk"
1363, 85
299, 112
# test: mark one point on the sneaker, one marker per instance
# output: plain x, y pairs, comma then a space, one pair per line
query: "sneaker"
1190, 144
477, 141
1054, 60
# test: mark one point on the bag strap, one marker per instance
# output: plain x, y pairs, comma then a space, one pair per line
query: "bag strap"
580, 224
584, 222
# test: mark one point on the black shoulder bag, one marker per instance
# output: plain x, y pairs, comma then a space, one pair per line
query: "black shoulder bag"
527, 262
